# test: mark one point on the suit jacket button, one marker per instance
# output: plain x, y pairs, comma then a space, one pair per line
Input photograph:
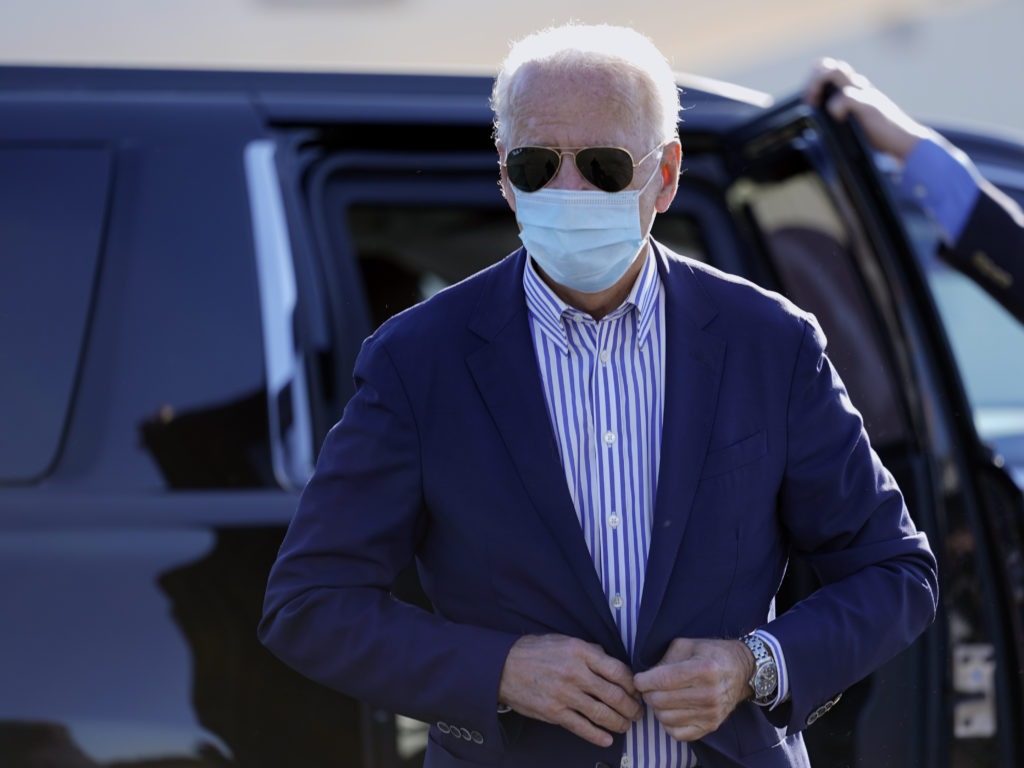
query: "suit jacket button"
443, 727
478, 738
464, 732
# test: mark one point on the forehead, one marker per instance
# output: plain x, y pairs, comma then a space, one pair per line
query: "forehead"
577, 107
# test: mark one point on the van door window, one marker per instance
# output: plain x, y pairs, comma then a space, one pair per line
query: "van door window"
814, 251
43, 319
408, 252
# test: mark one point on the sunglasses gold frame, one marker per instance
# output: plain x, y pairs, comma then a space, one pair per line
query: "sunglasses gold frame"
573, 152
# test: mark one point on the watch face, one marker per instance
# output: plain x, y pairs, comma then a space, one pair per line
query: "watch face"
765, 681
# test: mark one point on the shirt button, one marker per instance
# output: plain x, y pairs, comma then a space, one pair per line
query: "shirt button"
626, 761
921, 191
614, 520
605, 356
609, 438
617, 601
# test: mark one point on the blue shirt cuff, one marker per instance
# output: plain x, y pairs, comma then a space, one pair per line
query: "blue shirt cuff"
946, 183
780, 662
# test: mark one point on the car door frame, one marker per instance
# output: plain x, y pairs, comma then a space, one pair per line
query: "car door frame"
994, 502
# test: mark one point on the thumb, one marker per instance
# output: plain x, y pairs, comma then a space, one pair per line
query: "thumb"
680, 650
841, 104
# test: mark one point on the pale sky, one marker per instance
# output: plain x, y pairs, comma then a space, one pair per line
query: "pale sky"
413, 33
917, 49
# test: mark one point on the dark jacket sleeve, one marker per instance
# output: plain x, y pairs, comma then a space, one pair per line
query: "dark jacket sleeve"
329, 612
846, 515
990, 250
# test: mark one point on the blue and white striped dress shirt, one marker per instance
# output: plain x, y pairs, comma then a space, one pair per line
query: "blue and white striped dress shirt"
604, 386
603, 382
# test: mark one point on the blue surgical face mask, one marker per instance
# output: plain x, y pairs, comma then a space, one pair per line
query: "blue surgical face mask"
584, 240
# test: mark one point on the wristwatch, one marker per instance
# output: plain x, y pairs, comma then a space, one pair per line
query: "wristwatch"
765, 680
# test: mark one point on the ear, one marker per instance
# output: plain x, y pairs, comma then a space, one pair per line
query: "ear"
506, 186
671, 162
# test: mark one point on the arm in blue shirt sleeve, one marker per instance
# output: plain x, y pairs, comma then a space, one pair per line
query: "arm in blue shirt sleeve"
946, 183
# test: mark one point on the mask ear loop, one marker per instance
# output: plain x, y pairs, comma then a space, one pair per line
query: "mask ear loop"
640, 190
657, 168
650, 178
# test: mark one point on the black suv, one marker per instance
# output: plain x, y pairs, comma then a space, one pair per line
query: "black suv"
190, 262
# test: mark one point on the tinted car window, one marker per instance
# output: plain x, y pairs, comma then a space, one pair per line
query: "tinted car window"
172, 391
407, 253
43, 321
814, 251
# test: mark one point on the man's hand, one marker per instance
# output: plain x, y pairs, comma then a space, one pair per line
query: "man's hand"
885, 125
696, 685
571, 683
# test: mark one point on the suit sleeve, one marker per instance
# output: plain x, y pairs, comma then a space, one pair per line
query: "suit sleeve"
990, 249
982, 228
846, 516
329, 612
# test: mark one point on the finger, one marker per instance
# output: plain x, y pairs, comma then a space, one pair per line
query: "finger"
841, 105
601, 715
826, 71
689, 732
689, 697
686, 723
815, 88
613, 671
660, 678
625, 704
691, 672
689, 725
585, 729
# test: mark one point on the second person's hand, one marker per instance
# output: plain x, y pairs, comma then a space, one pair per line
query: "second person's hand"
886, 126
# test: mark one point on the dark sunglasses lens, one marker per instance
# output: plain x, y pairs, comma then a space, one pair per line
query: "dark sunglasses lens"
530, 168
607, 168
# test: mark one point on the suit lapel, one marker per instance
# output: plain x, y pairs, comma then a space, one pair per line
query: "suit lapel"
693, 366
505, 371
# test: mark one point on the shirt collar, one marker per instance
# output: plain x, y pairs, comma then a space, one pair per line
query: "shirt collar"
550, 313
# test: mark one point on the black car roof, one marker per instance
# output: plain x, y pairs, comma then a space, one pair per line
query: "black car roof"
290, 97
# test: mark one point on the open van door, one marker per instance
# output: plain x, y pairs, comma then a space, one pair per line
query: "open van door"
817, 218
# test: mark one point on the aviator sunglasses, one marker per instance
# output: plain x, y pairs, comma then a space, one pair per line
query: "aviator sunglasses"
607, 168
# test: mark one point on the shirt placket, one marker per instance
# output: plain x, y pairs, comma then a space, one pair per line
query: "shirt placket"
613, 515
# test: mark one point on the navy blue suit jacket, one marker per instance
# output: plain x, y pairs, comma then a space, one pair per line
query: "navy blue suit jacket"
990, 249
446, 455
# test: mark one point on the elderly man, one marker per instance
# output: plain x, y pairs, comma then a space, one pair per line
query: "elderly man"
600, 455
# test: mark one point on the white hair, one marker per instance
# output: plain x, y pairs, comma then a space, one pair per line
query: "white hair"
623, 52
